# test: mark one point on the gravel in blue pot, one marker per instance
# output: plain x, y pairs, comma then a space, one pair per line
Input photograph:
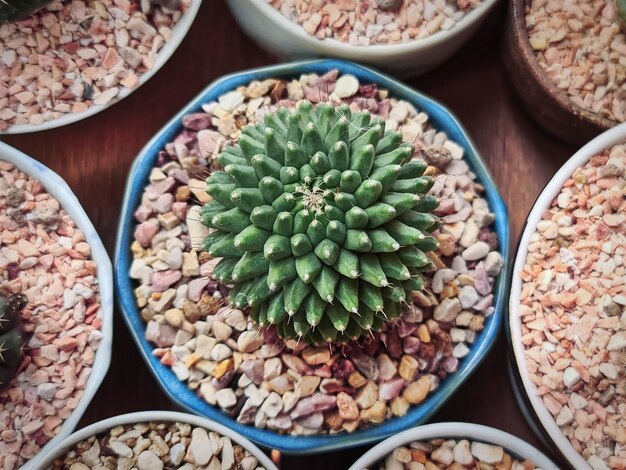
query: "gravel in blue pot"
312, 254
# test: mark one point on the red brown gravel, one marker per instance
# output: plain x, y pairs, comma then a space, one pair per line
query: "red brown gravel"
574, 309
582, 49
74, 54
45, 257
370, 22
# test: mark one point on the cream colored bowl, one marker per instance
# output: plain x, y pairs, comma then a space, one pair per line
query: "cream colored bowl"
280, 36
153, 416
472, 432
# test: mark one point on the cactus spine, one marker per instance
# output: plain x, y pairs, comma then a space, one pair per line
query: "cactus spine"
621, 13
11, 337
13, 10
321, 220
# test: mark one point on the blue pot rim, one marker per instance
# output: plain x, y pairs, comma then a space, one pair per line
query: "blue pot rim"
441, 119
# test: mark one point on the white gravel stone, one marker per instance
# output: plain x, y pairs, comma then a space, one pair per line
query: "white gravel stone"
200, 447
462, 453
220, 352
443, 455
487, 453
493, 263
617, 342
177, 453
447, 310
570, 377
272, 405
250, 341
47, 390
226, 398
476, 251
460, 351
565, 417
468, 297
441, 277
120, 449
347, 85
148, 460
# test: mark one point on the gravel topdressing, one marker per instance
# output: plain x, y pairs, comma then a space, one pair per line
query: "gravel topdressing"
451, 454
157, 446
573, 309
72, 54
288, 386
370, 22
45, 257
580, 46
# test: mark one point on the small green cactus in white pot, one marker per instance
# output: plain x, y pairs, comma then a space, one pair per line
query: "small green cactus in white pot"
13, 10
11, 337
621, 13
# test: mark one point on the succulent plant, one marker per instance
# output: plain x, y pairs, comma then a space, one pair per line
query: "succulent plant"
389, 5
621, 13
11, 337
13, 10
320, 217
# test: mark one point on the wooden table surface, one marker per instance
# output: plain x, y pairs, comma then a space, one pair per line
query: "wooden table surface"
94, 157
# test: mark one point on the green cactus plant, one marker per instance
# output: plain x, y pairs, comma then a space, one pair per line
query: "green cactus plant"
11, 337
320, 218
621, 13
13, 10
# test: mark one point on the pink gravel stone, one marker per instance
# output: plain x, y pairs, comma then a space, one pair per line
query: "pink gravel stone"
160, 188
163, 336
197, 121
145, 232
314, 403
162, 280
391, 389
194, 292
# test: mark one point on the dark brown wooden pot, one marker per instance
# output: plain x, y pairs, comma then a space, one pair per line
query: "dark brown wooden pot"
549, 106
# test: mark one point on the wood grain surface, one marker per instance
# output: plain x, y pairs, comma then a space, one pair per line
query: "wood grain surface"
94, 157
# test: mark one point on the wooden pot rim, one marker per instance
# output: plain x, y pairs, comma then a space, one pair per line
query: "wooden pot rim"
547, 85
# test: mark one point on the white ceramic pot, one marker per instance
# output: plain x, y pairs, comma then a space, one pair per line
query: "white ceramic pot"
178, 34
154, 416
472, 432
606, 140
55, 186
288, 40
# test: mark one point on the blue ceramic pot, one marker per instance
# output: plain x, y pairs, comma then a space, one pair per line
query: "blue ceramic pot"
441, 119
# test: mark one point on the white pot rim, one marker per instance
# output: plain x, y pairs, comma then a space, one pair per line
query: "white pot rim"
469, 431
57, 187
602, 142
331, 46
178, 34
156, 416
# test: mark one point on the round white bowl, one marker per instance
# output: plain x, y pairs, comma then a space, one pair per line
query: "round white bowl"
287, 40
178, 34
154, 416
472, 432
55, 186
609, 138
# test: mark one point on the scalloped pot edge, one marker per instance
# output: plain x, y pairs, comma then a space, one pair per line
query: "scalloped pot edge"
178, 391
